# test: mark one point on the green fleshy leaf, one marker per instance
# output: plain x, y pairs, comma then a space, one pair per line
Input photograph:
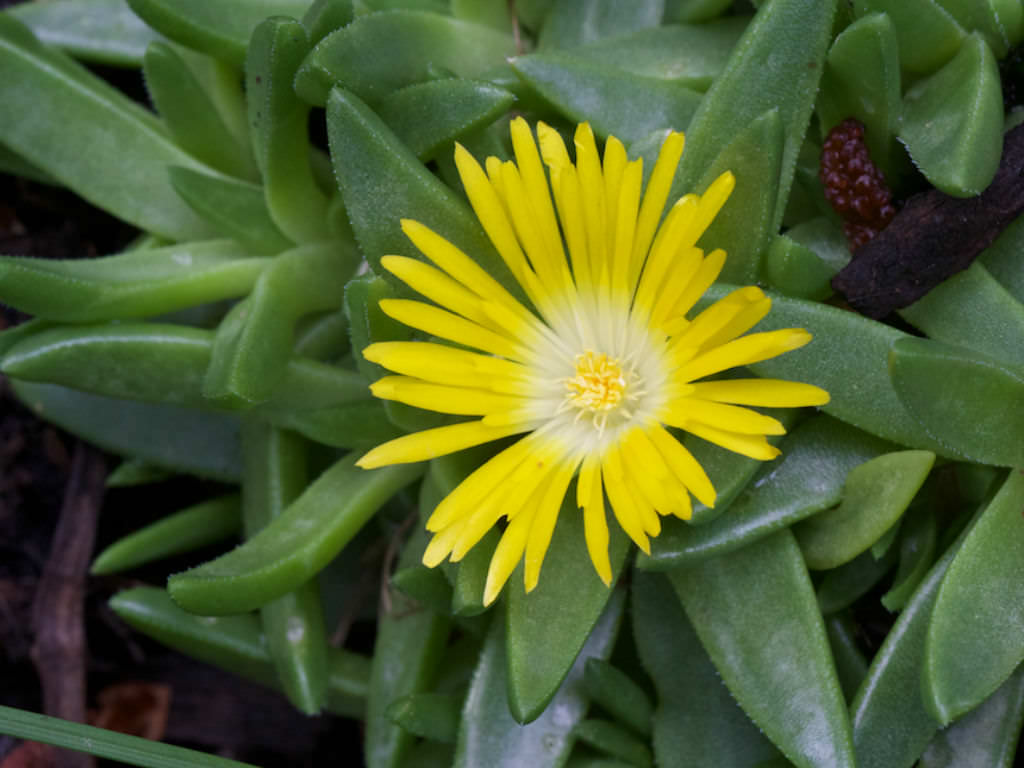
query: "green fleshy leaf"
427, 586
809, 477
82, 129
134, 472
427, 117
855, 373
134, 284
851, 666
973, 310
927, 35
415, 42
326, 16
433, 716
689, 55
295, 545
382, 182
488, 734
618, 694
964, 399
548, 627
570, 23
746, 223
279, 130
614, 740
233, 207
197, 526
186, 440
273, 474
891, 726
409, 645
100, 31
190, 114
691, 730
842, 586
691, 11
976, 633
918, 544
615, 103
220, 29
785, 680
368, 325
862, 80
1001, 258
982, 17
953, 122
875, 495
984, 738
254, 343
492, 13
236, 644
795, 270
322, 337
776, 65
16, 165
166, 364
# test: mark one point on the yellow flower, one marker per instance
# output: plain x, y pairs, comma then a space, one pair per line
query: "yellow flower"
599, 368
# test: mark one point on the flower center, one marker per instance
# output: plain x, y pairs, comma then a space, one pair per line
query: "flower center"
601, 385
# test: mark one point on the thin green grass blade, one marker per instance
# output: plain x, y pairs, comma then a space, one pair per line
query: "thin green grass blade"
103, 743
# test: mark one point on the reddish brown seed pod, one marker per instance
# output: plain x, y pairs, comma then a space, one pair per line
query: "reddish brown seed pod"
854, 187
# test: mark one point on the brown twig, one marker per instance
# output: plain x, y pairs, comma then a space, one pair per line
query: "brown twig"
932, 238
59, 651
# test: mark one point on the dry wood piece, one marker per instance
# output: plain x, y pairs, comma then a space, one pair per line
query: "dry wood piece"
932, 238
59, 651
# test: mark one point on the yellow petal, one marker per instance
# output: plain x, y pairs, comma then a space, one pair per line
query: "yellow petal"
430, 443
623, 506
588, 165
772, 393
655, 196
507, 555
650, 474
457, 264
570, 212
745, 350
490, 211
462, 501
550, 267
706, 274
686, 468
446, 325
678, 276
549, 506
464, 401
439, 288
440, 545
536, 186
475, 527
686, 411
711, 202
595, 527
754, 446
552, 148
625, 228
710, 323
664, 255
443, 364
612, 168
514, 495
